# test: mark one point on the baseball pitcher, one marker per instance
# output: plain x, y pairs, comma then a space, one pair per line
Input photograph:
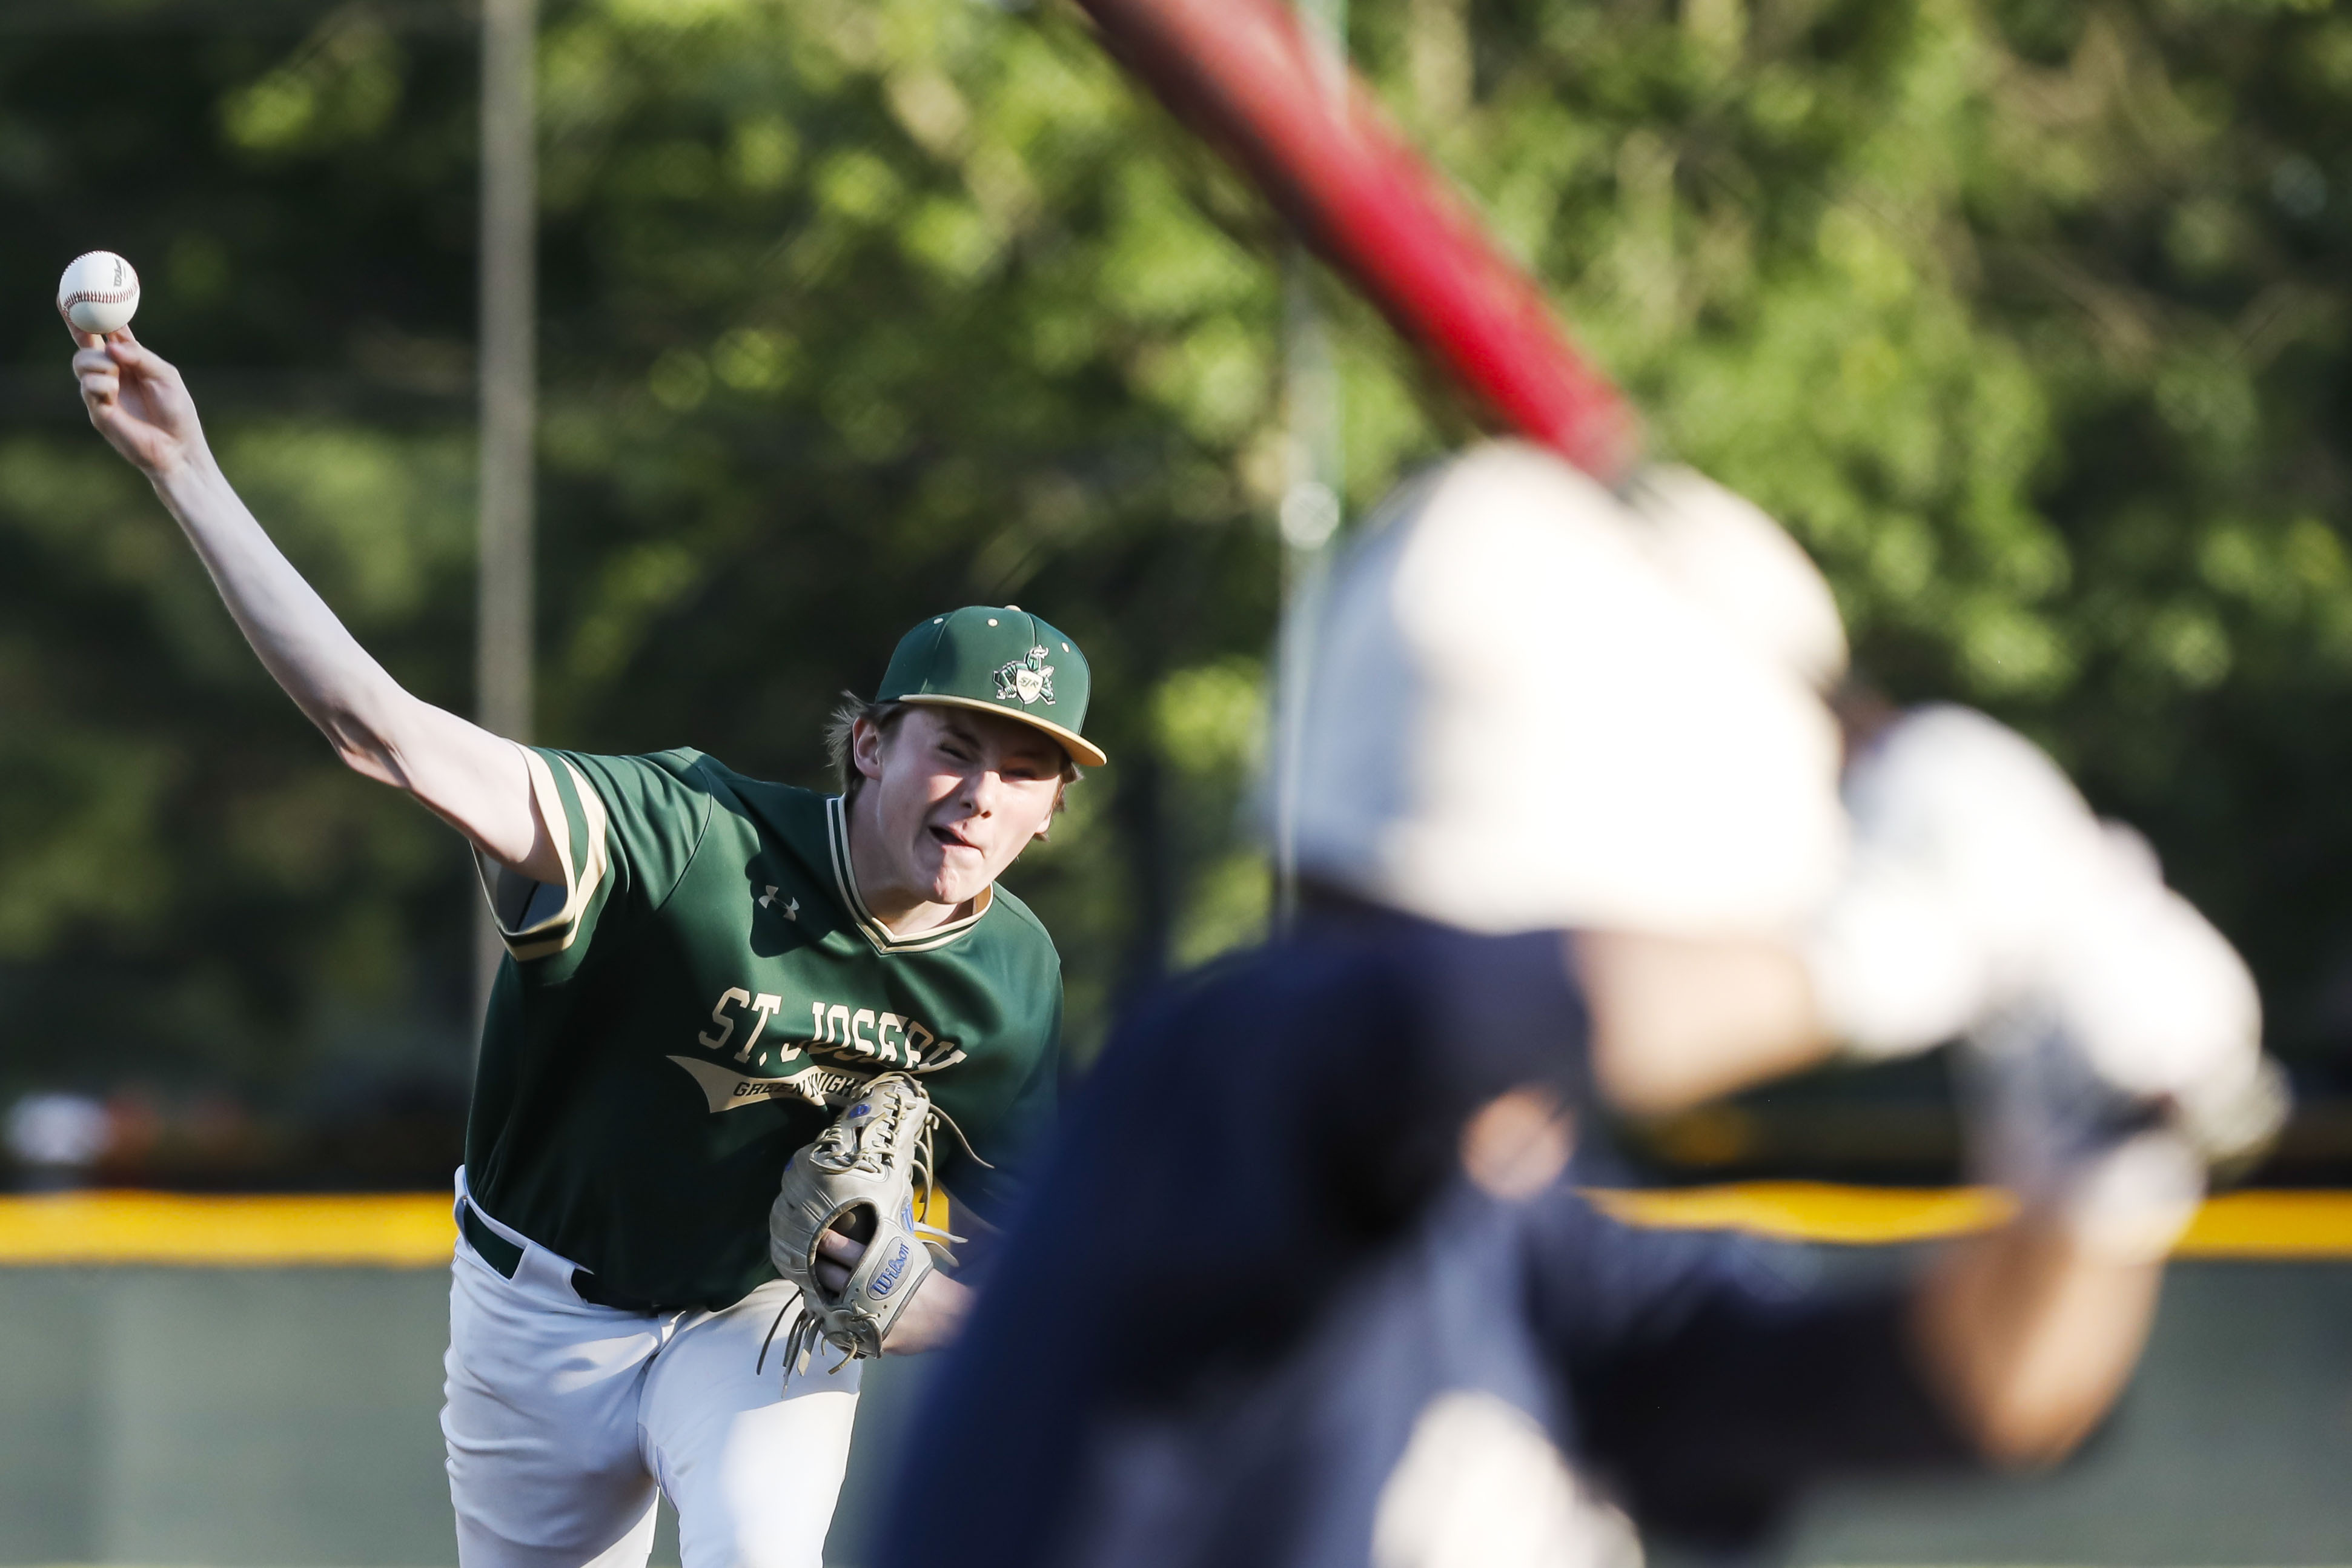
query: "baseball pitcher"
708, 977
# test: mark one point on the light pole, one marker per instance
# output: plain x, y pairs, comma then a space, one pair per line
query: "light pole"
1311, 507
507, 338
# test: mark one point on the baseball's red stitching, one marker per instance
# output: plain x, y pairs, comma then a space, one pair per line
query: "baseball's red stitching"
100, 297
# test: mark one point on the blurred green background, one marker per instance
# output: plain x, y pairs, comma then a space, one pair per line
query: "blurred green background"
2029, 318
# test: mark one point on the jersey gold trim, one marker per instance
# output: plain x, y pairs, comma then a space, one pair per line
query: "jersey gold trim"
580, 847
845, 880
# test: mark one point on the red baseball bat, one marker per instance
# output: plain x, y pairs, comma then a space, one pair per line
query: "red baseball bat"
1242, 74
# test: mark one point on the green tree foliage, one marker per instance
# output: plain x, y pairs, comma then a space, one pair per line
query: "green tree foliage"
2026, 317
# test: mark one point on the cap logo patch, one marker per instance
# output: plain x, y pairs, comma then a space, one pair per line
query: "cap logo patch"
1030, 680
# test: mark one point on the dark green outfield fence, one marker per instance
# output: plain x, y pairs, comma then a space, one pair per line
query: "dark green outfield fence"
262, 1416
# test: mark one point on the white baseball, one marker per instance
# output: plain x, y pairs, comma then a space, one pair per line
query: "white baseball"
99, 292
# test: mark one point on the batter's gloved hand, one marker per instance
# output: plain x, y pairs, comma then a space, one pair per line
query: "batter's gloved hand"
859, 1177
1969, 854
2105, 1100
2113, 1036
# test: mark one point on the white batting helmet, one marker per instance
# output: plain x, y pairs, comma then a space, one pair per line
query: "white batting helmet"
1516, 719
1743, 567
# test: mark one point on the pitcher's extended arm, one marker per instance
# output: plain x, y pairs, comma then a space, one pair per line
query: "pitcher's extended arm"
475, 780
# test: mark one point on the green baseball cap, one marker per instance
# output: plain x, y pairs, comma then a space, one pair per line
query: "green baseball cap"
999, 659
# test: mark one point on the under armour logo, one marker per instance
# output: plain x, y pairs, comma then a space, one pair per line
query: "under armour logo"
792, 906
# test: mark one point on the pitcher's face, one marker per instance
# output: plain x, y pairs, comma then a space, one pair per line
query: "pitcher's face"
958, 795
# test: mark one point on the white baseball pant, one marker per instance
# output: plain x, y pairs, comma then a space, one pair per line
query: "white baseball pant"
563, 1417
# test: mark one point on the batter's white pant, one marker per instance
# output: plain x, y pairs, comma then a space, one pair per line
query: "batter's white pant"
562, 1418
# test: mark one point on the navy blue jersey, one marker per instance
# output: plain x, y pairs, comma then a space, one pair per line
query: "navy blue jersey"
1252, 1315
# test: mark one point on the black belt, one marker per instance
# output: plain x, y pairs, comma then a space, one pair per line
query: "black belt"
496, 1250
505, 1258
589, 1289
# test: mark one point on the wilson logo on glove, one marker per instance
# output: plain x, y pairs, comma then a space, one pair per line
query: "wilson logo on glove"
890, 1273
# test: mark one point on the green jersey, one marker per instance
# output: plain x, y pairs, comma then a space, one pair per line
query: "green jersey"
697, 1000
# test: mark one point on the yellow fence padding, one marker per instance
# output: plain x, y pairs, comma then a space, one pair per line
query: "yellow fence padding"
1813, 1211
389, 1230
412, 1230
2260, 1224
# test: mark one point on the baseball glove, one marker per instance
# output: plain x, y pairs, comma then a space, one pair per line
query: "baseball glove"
859, 1177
